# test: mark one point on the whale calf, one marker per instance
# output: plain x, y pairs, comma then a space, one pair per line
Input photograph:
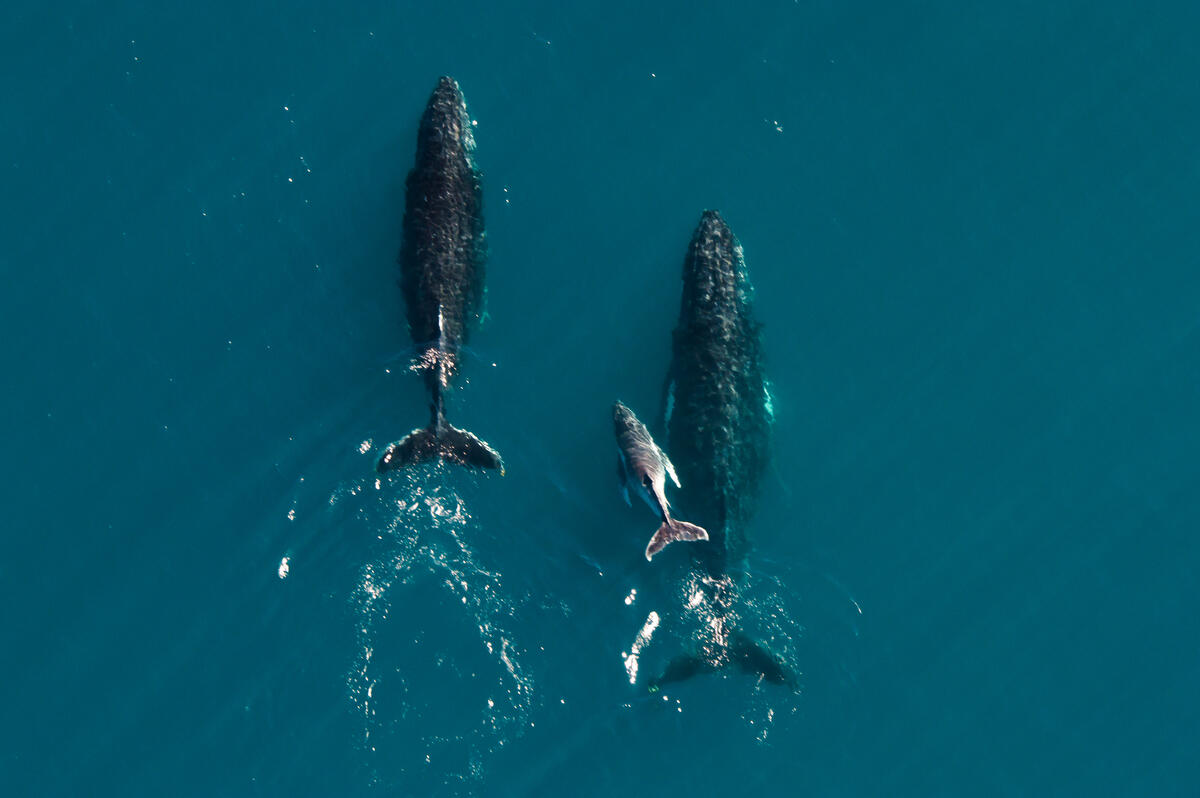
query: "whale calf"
441, 275
643, 468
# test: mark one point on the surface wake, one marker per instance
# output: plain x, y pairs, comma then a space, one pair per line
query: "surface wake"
437, 681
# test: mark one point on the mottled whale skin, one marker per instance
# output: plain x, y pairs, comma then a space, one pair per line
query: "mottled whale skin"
442, 259
717, 407
717, 411
642, 467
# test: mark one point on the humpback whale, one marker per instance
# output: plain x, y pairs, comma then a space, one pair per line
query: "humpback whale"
717, 409
643, 467
441, 275
717, 413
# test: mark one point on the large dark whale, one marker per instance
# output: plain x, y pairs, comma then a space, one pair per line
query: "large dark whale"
441, 274
717, 412
717, 407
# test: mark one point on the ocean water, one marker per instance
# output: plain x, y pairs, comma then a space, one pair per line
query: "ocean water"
973, 233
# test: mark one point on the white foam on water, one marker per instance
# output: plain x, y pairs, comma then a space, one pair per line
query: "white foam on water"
425, 533
640, 642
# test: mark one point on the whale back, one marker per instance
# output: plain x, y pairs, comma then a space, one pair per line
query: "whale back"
719, 409
443, 250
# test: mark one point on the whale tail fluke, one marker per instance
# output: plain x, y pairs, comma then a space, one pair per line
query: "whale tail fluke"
748, 655
756, 659
449, 443
671, 531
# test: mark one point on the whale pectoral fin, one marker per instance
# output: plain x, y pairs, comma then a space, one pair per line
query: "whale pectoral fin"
671, 531
670, 470
623, 480
667, 407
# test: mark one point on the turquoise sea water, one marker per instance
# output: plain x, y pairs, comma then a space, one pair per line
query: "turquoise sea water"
972, 230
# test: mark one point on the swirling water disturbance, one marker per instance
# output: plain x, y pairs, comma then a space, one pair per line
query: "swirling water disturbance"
438, 682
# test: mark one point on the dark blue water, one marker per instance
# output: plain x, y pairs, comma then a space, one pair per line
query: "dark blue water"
973, 236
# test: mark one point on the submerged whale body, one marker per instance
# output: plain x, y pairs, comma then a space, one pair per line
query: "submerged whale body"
717, 405
717, 412
442, 275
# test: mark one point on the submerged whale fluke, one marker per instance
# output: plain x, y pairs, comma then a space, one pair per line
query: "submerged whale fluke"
672, 531
748, 655
758, 660
451, 444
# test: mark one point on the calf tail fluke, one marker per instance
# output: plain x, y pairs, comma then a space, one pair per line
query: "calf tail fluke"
449, 443
671, 531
